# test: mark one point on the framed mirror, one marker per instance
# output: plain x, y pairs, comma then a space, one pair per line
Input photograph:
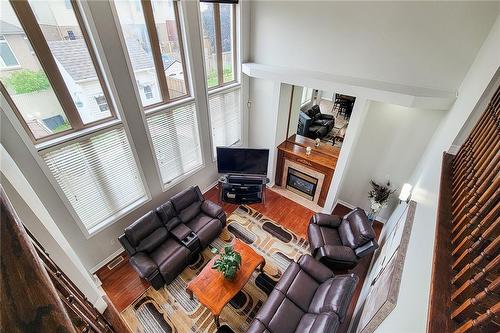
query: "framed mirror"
318, 115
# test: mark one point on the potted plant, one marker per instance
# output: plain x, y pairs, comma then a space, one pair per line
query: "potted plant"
379, 196
228, 262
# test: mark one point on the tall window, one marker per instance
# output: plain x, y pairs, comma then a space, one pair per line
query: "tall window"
154, 42
57, 88
219, 42
53, 88
225, 118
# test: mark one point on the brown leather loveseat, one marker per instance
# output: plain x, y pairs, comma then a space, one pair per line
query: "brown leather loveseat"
308, 298
161, 244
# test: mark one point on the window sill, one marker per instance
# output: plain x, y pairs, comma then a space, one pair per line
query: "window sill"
89, 233
164, 107
73, 136
224, 88
182, 178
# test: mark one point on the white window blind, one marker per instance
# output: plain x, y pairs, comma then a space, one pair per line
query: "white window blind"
176, 141
225, 117
99, 176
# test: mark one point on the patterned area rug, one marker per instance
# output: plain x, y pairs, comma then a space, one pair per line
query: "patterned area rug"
170, 309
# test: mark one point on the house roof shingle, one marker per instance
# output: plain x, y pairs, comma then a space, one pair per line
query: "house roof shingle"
9, 29
74, 57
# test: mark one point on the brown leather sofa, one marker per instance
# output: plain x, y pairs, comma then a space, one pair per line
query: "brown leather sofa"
339, 242
308, 298
162, 243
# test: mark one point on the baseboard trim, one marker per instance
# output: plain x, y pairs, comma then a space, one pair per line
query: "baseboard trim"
345, 203
104, 262
351, 206
209, 187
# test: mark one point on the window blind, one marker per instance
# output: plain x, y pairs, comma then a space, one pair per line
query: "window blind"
98, 175
225, 117
176, 141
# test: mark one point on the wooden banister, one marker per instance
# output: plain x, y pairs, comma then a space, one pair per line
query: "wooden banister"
465, 284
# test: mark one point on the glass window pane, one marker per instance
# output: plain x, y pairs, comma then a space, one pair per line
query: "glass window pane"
227, 37
7, 57
168, 36
138, 44
208, 29
27, 84
64, 37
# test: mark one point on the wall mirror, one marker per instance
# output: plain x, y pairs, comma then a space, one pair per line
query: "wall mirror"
318, 114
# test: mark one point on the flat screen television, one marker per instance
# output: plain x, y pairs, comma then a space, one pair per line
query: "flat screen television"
242, 160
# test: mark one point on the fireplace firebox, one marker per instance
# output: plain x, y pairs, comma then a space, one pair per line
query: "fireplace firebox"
301, 184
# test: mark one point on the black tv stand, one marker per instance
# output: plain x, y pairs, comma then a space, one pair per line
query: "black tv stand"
242, 189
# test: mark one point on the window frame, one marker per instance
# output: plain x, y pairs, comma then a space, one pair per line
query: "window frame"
41, 49
4, 40
218, 45
147, 9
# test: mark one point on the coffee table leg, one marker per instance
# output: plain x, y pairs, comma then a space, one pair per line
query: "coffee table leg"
216, 319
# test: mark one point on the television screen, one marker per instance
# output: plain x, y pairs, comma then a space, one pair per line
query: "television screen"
242, 160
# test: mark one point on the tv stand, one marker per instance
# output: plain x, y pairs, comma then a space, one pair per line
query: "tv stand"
242, 189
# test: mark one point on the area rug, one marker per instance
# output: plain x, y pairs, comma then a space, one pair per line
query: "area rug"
170, 309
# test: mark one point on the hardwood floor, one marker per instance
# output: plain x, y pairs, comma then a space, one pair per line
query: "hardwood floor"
123, 285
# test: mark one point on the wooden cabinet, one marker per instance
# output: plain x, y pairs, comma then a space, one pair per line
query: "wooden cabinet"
322, 159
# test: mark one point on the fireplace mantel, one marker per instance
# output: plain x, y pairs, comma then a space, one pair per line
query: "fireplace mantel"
322, 159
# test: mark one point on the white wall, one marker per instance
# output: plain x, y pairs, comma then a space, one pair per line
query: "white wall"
410, 314
428, 44
390, 143
262, 119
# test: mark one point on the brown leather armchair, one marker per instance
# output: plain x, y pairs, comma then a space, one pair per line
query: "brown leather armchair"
339, 242
308, 298
161, 244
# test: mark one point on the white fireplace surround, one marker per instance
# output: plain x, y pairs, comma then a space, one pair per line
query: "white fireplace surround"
310, 172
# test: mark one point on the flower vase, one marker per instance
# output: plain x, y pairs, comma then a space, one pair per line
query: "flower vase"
372, 215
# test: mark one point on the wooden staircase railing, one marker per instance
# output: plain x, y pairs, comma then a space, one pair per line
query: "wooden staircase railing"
465, 286
36, 295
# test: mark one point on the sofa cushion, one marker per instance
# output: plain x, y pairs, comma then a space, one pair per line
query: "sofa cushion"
334, 295
153, 240
312, 323
346, 235
206, 228
168, 215
174, 264
166, 250
279, 314
302, 290
257, 327
184, 199
188, 213
361, 228
141, 228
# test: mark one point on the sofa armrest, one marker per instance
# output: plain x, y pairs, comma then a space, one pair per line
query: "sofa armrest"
337, 253
211, 209
366, 249
143, 264
314, 268
327, 116
326, 220
126, 245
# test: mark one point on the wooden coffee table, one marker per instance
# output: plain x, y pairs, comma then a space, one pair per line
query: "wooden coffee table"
214, 291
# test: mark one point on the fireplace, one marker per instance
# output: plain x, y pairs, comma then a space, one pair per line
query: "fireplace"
301, 184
